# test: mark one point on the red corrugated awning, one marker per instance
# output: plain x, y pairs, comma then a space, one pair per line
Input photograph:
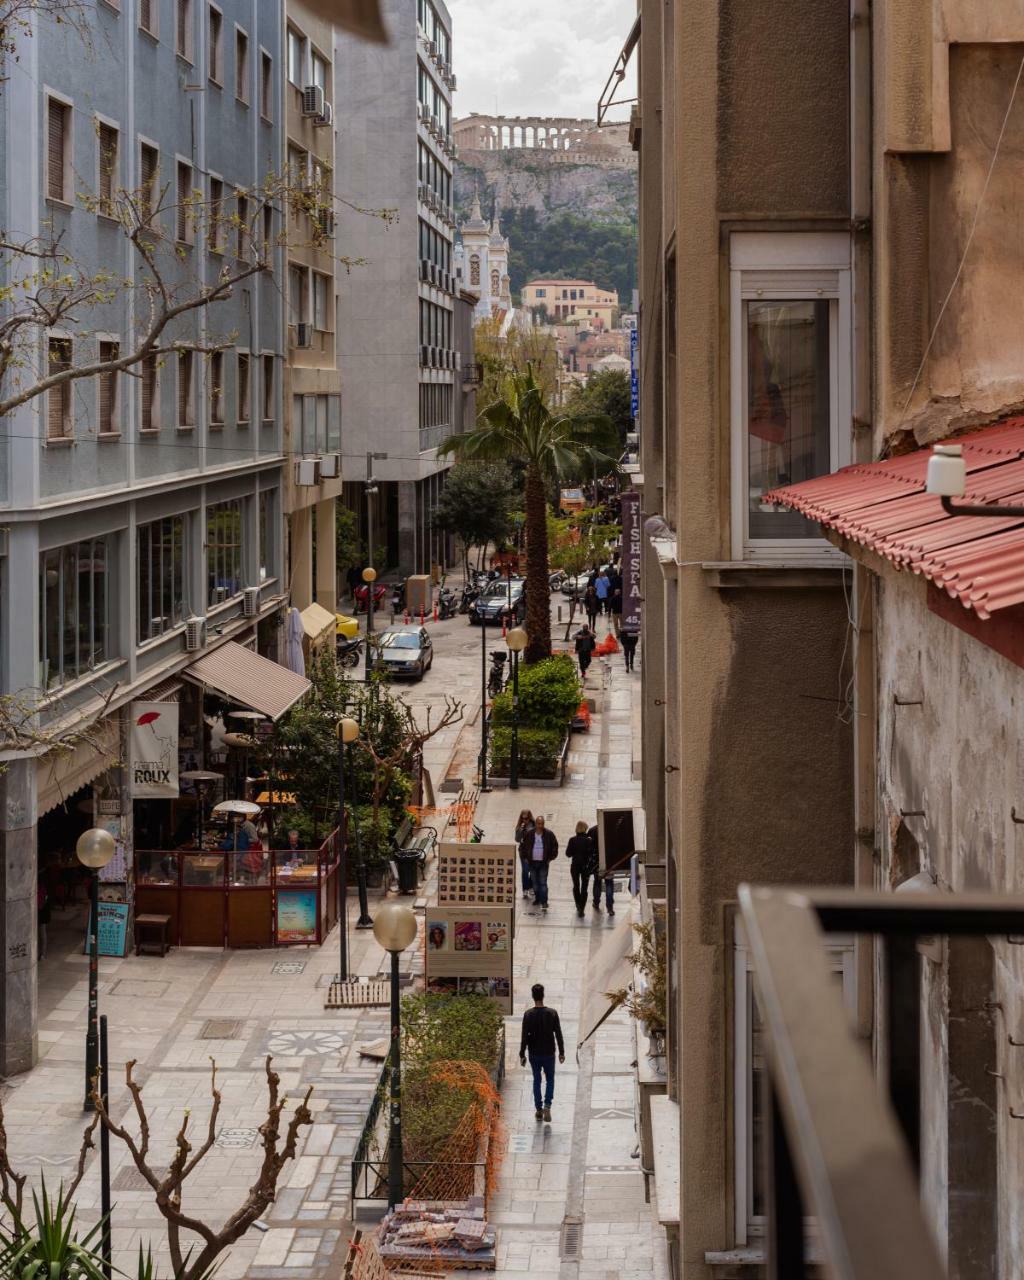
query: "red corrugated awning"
883, 505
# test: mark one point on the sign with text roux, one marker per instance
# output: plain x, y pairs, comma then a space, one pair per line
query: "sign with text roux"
469, 952
153, 763
477, 873
632, 532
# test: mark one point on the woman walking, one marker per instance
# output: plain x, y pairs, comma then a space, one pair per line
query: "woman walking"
585, 646
582, 855
591, 605
524, 830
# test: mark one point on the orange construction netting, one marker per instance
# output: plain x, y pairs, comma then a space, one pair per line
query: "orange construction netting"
459, 816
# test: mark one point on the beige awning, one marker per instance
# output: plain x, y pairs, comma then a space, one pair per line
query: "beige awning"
61, 773
247, 677
361, 17
317, 623
610, 970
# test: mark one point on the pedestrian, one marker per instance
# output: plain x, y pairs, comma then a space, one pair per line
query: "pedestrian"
585, 646
541, 1032
541, 848
524, 829
615, 608
42, 916
582, 855
629, 641
608, 880
591, 605
603, 588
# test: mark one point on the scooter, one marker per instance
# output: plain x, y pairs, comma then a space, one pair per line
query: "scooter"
349, 651
446, 607
466, 597
496, 679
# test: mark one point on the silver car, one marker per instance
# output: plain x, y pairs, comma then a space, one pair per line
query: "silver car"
405, 651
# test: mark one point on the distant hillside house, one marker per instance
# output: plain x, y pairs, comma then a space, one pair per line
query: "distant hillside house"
572, 300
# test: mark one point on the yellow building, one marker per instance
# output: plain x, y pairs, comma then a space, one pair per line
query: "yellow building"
569, 300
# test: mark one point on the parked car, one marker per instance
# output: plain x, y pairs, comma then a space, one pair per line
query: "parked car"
405, 651
503, 600
577, 585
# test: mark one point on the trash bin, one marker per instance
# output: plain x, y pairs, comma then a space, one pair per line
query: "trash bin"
408, 864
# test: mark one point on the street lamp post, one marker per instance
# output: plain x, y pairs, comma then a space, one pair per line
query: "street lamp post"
517, 641
369, 577
394, 930
94, 848
483, 703
348, 731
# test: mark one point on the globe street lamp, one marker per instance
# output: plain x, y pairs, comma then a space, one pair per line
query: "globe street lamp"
483, 703
517, 640
94, 848
395, 929
369, 577
348, 731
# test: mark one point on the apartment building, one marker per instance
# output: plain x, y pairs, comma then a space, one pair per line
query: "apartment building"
397, 352
565, 301
140, 513
312, 392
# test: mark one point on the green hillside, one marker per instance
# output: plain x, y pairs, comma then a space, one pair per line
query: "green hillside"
568, 245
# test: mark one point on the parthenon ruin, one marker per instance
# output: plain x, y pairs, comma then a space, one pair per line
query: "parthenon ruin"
545, 133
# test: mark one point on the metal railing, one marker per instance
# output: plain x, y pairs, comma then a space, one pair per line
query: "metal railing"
837, 1149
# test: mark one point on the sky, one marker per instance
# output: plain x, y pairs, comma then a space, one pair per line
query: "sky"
537, 57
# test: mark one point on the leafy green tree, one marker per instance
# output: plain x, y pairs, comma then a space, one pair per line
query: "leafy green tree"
475, 505
503, 354
576, 543
568, 246
606, 392
520, 427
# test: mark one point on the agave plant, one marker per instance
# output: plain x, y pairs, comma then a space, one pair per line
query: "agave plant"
49, 1248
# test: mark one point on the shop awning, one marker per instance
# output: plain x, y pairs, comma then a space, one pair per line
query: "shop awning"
247, 677
317, 623
61, 773
883, 506
610, 970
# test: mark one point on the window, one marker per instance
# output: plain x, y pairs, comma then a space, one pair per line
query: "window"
107, 137
149, 168
542, 293
266, 86
321, 302
268, 228
241, 65
298, 294
319, 71
296, 57
495, 284
183, 32
790, 381
474, 269
748, 1066
58, 398
215, 231
186, 408
147, 15
160, 577
184, 225
223, 551
242, 233
298, 168
268, 388
108, 391
149, 417
74, 607
58, 144
216, 388
243, 377
215, 69
266, 517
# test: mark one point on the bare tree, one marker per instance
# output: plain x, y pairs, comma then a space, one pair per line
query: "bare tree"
409, 745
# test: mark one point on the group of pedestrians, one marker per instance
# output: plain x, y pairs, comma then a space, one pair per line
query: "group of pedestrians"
538, 848
603, 594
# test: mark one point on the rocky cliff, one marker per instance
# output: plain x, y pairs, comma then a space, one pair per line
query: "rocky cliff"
529, 178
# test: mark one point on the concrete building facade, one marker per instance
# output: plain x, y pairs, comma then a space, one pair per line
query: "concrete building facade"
396, 315
481, 264
569, 300
133, 503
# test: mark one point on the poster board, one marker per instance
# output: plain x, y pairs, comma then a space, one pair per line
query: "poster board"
469, 951
482, 874
112, 933
616, 837
296, 915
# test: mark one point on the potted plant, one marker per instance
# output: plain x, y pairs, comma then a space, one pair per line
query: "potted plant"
647, 1001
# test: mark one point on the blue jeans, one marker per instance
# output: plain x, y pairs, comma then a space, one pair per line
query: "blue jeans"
527, 875
609, 892
545, 1063
539, 871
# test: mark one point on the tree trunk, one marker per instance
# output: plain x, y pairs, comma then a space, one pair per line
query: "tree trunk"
538, 591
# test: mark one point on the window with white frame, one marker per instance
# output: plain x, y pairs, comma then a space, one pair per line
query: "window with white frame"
268, 388
241, 65
58, 398
266, 86
183, 30
296, 57
790, 380
148, 10
58, 150
298, 294
224, 550
242, 226
216, 388
243, 381
214, 221
319, 71
74, 611
108, 139
748, 1076
267, 511
321, 302
184, 221
215, 68
108, 388
149, 171
149, 399
161, 567
186, 400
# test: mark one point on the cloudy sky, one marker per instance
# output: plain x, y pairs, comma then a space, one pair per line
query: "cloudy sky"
537, 57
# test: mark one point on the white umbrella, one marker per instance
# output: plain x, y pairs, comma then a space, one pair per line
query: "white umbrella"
294, 635
243, 808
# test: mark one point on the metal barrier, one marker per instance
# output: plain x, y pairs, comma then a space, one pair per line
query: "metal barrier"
836, 1148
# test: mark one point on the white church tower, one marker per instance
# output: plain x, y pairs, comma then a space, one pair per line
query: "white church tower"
481, 265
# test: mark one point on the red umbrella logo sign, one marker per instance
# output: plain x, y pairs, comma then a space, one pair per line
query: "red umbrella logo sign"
147, 718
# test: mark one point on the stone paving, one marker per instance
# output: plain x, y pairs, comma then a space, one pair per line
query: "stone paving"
571, 1199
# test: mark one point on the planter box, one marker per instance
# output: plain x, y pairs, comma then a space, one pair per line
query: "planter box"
499, 779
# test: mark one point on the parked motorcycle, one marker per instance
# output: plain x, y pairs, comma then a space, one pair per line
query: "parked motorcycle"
446, 604
496, 678
350, 651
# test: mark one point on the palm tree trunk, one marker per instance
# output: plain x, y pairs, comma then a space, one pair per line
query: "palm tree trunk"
538, 592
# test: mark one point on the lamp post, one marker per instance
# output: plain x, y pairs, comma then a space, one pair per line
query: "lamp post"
483, 704
94, 848
517, 640
369, 577
348, 731
394, 930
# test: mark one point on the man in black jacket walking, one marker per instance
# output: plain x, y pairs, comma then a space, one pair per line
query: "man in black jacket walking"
541, 1031
538, 847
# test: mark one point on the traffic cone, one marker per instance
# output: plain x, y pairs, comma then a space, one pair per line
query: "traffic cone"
435, 611
422, 617
406, 615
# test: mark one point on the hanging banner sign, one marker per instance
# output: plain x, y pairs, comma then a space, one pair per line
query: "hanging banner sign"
153, 757
634, 374
631, 534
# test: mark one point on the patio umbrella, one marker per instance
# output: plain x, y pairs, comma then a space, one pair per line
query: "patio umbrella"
241, 808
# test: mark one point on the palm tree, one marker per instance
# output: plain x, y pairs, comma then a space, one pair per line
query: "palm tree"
519, 427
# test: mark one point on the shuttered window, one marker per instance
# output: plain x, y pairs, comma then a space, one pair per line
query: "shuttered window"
241, 66
183, 216
185, 408
109, 385
149, 166
217, 388
242, 237
268, 388
243, 388
147, 16
266, 86
108, 146
214, 51
183, 43
148, 419
216, 224
58, 131
58, 408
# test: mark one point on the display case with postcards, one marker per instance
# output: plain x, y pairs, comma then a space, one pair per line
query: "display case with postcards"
469, 951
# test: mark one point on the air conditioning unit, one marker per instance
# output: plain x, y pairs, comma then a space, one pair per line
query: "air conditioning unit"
432, 48
325, 118
330, 466
250, 602
424, 112
424, 356
307, 472
424, 269
326, 222
303, 335
313, 101
195, 634
453, 81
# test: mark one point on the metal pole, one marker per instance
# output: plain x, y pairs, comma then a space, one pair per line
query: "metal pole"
365, 920
395, 1137
483, 704
105, 1231
513, 768
92, 1034
200, 793
342, 866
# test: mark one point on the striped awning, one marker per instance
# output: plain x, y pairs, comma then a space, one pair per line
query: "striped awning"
249, 678
61, 773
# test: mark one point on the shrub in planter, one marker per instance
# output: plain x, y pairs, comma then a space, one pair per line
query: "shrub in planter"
539, 752
549, 693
